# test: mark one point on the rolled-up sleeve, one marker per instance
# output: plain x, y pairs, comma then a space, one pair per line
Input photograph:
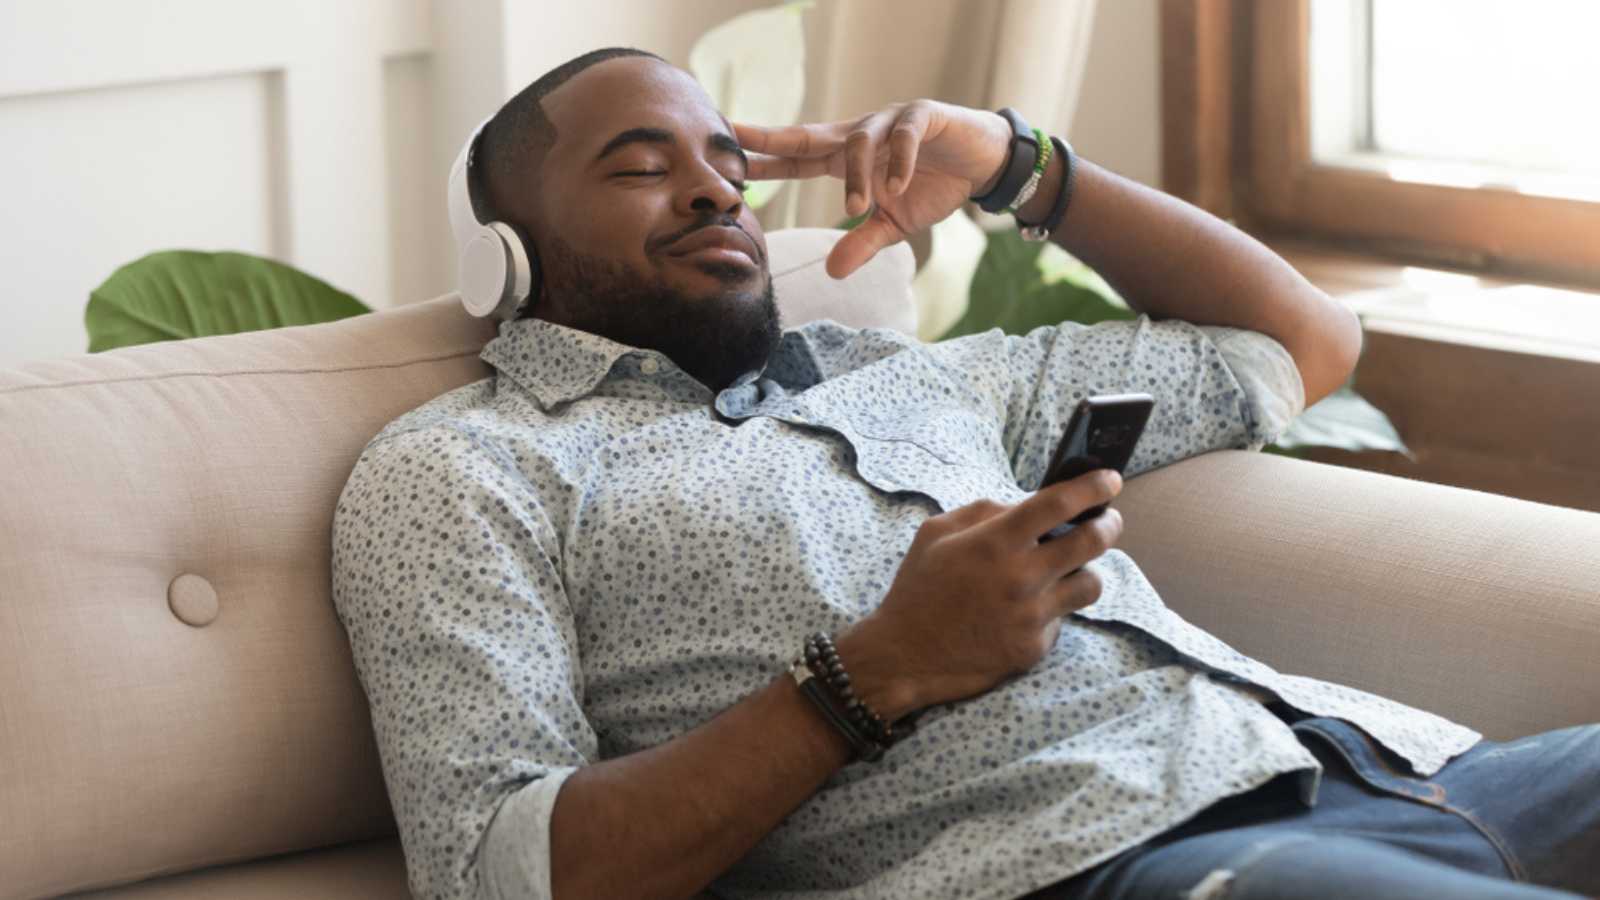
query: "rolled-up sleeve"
515, 859
1214, 387
1269, 376
446, 579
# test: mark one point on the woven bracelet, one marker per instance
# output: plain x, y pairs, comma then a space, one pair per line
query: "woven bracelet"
1058, 209
1032, 185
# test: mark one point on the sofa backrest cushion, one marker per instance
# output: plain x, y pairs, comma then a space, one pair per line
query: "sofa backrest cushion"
175, 689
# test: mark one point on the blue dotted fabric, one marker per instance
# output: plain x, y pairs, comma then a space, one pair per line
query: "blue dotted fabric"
579, 558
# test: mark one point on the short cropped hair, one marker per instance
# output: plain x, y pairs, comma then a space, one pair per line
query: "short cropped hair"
520, 134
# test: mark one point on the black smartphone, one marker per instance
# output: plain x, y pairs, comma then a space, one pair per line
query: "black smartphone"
1101, 435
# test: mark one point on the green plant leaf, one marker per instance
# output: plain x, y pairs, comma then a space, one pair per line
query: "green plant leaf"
177, 294
1343, 419
1068, 302
1006, 274
1056, 264
1275, 450
1010, 292
852, 221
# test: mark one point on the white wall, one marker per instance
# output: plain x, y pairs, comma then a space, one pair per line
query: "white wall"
128, 126
320, 132
94, 178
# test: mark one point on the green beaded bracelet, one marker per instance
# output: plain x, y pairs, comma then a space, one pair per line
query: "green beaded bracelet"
1032, 184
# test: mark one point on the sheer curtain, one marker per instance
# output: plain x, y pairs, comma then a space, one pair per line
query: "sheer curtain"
1027, 54
1038, 59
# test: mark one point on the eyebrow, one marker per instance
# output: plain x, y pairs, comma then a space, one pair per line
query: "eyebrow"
719, 141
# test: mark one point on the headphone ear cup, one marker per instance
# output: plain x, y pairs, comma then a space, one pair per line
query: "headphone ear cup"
535, 274
484, 271
519, 274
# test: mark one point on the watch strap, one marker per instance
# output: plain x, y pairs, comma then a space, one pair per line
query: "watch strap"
1020, 157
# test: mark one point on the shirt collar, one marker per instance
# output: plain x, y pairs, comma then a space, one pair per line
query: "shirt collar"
553, 362
558, 364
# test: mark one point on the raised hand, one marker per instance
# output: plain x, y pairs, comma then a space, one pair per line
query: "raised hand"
911, 164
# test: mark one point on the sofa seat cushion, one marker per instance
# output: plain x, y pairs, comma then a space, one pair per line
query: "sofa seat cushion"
373, 870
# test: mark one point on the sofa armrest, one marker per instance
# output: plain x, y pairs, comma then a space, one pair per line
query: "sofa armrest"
1482, 608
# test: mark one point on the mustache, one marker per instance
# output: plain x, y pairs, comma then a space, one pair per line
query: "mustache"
722, 219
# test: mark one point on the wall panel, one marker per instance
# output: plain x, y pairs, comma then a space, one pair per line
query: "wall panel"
94, 179
139, 125
418, 227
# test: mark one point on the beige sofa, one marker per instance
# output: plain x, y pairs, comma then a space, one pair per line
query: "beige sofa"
179, 716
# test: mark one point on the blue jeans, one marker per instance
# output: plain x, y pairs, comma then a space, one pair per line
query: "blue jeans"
1519, 819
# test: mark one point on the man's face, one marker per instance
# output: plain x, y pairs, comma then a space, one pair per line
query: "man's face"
641, 229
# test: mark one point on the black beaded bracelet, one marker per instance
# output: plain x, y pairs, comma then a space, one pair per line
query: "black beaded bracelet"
823, 660
816, 691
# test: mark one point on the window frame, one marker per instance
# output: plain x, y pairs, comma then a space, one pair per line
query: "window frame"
1237, 125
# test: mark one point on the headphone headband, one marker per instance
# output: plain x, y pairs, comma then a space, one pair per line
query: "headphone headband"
495, 269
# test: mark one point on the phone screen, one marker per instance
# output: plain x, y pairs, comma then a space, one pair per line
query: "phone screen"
1102, 434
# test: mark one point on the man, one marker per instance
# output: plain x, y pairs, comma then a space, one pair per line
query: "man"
574, 591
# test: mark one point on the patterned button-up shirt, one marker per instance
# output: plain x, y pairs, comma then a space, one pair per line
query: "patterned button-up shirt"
589, 553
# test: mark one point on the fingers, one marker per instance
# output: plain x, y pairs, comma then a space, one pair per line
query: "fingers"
859, 149
764, 167
1074, 592
958, 520
901, 135
973, 513
793, 140
805, 151
1060, 557
1057, 503
860, 244
904, 140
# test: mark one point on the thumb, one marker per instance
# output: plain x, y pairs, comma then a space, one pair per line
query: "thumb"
861, 244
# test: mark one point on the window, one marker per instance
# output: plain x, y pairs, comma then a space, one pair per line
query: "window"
1466, 93
1455, 132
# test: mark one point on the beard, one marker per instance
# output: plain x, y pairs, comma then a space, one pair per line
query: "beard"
715, 338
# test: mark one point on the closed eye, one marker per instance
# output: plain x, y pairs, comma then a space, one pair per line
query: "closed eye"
740, 186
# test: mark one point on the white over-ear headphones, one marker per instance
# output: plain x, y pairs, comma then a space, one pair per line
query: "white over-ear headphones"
496, 270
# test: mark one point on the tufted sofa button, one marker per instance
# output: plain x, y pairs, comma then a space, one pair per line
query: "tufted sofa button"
193, 600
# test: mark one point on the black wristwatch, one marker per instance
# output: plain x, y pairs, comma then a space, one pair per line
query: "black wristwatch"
1020, 158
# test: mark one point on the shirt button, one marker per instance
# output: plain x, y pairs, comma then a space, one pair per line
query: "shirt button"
649, 365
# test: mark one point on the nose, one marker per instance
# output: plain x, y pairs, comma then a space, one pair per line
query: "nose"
710, 193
